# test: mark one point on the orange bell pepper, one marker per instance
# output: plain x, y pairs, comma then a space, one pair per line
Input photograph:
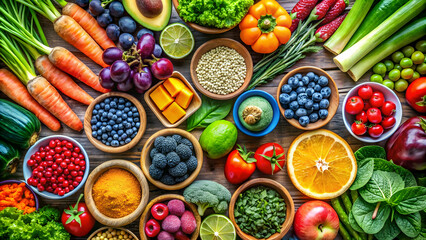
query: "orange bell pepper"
266, 26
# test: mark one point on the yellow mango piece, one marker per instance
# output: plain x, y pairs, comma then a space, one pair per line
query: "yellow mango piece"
161, 97
174, 86
184, 98
174, 112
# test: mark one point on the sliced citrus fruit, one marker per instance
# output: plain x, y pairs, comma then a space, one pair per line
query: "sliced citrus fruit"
217, 227
177, 41
321, 164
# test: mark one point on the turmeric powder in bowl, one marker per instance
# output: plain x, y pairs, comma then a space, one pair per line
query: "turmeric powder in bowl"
117, 193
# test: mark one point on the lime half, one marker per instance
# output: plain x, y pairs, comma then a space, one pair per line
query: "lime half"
217, 227
177, 41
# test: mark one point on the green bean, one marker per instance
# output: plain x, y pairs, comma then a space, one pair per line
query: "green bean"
354, 195
344, 217
346, 202
344, 232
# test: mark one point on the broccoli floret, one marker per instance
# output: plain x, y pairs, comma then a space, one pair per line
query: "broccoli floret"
153, 152
168, 145
159, 161
172, 159
158, 143
167, 179
206, 194
181, 179
177, 138
187, 143
179, 170
192, 163
155, 173
183, 151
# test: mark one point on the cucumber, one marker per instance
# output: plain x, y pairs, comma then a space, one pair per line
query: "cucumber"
18, 126
377, 15
9, 159
408, 34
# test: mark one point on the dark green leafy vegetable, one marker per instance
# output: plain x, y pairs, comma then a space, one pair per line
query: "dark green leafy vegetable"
363, 214
410, 200
389, 232
354, 224
385, 165
210, 111
381, 186
260, 212
371, 151
364, 173
409, 224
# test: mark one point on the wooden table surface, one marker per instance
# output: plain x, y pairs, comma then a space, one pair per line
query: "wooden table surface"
283, 134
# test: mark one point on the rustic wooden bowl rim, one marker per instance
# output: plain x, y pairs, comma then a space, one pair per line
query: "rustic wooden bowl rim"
98, 144
145, 158
117, 228
277, 187
93, 177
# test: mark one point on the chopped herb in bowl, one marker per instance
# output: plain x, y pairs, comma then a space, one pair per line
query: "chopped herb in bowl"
260, 211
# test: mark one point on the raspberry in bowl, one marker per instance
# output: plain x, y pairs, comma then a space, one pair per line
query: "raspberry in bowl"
56, 167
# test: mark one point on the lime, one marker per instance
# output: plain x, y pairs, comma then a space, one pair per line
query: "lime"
380, 68
177, 41
394, 74
218, 138
397, 56
217, 227
397, 66
407, 73
389, 65
421, 46
406, 63
401, 85
407, 51
415, 76
388, 83
417, 57
376, 78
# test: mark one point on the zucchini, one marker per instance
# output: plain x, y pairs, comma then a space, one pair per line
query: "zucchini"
378, 14
408, 34
18, 125
392, 24
9, 159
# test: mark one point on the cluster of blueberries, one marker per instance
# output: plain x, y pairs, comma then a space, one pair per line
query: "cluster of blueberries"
305, 98
115, 121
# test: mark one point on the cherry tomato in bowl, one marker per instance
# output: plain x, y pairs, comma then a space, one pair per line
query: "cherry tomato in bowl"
365, 92
354, 105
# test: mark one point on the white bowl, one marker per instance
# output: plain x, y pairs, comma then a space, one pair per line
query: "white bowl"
348, 119
44, 142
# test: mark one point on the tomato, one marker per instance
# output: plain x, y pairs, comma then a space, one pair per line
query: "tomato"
358, 128
365, 92
239, 165
377, 99
388, 108
367, 105
388, 122
362, 117
270, 158
374, 115
77, 220
375, 131
416, 95
354, 105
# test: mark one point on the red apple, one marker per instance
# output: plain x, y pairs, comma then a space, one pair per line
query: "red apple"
316, 220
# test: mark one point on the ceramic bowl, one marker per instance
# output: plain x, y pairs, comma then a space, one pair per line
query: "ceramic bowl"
227, 42
193, 106
93, 177
98, 144
118, 229
28, 186
277, 187
146, 159
334, 97
45, 142
146, 215
390, 95
271, 100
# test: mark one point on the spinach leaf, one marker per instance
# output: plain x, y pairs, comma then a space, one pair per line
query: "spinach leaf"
210, 111
409, 200
381, 186
409, 224
384, 165
353, 223
363, 214
363, 174
422, 234
389, 232
372, 151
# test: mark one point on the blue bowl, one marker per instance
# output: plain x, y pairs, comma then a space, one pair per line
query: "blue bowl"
11, 181
44, 142
275, 117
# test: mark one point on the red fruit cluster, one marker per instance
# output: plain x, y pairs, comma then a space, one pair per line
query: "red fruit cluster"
57, 168
373, 112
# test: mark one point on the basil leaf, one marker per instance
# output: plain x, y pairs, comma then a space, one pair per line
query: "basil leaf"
384, 165
353, 223
381, 186
409, 200
363, 174
211, 110
372, 151
389, 232
409, 224
363, 214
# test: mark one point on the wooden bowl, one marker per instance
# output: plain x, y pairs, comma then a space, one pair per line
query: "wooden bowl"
98, 144
104, 228
206, 30
277, 187
334, 97
193, 106
227, 42
146, 159
146, 215
93, 177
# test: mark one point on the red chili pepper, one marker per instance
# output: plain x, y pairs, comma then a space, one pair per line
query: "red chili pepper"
320, 10
324, 32
301, 11
335, 11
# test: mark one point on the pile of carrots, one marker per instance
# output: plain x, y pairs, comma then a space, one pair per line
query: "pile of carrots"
18, 196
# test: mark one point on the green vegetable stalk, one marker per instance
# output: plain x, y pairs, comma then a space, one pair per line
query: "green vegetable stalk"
346, 202
345, 234
343, 217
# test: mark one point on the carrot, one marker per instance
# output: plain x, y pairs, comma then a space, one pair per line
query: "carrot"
47, 96
61, 80
67, 62
88, 23
15, 90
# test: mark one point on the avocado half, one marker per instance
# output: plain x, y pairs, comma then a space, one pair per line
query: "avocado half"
157, 23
